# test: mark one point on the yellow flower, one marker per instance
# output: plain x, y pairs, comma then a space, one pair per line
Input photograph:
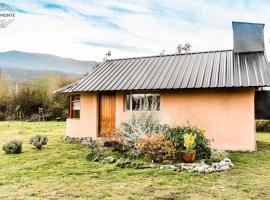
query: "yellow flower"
189, 141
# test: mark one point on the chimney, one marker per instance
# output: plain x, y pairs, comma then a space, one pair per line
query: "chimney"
247, 37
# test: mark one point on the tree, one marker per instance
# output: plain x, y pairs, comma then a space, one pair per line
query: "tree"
184, 48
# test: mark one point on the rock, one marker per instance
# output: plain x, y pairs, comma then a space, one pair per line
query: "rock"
222, 163
185, 168
231, 164
201, 169
152, 166
227, 160
211, 169
223, 168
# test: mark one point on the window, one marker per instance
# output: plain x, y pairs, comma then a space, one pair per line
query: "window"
74, 106
142, 101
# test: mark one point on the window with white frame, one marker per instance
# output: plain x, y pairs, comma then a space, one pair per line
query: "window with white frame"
142, 101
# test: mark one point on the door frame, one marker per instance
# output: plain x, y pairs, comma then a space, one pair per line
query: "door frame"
99, 108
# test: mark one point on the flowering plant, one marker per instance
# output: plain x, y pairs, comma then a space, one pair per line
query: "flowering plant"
189, 142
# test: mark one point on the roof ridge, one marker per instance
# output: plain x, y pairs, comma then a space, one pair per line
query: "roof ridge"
172, 54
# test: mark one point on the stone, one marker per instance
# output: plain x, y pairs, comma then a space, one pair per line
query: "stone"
223, 168
227, 160
185, 168
231, 164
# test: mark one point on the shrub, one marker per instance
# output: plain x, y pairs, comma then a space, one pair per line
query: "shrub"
39, 140
95, 154
176, 136
218, 155
156, 147
137, 126
263, 125
13, 146
127, 163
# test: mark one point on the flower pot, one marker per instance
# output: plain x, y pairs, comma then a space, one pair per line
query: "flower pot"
188, 157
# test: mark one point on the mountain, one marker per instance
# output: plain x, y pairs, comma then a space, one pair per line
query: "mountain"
21, 75
17, 60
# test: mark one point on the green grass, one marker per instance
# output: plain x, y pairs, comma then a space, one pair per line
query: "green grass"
60, 171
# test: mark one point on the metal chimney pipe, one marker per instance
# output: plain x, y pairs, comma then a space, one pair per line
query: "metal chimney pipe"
248, 37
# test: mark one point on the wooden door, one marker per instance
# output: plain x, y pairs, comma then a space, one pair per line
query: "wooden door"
107, 115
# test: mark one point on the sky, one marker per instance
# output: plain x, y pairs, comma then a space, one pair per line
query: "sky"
87, 29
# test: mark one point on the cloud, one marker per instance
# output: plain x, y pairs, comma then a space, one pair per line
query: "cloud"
88, 29
101, 21
119, 47
18, 10
54, 6
120, 10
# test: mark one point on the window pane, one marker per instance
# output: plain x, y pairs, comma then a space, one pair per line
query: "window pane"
75, 97
76, 114
127, 102
137, 101
76, 105
152, 102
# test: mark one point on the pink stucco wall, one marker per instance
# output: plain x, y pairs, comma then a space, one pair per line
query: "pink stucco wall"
87, 125
226, 115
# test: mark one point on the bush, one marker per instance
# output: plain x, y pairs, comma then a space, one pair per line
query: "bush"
136, 127
156, 147
263, 125
39, 140
127, 163
14, 146
218, 155
95, 154
176, 136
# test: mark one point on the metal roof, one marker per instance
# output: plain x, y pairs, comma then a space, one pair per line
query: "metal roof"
212, 69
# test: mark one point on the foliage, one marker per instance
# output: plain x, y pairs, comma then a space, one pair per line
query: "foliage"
34, 97
156, 147
263, 125
189, 142
95, 153
13, 146
218, 155
127, 163
184, 48
102, 155
38, 141
176, 136
137, 126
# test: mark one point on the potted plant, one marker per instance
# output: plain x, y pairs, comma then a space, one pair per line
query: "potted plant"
189, 154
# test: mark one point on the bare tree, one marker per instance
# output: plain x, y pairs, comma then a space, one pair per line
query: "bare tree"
186, 48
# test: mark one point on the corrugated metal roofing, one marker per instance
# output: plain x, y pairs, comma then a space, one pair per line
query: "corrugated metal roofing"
213, 69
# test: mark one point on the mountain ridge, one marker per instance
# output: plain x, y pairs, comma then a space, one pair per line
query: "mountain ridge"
38, 61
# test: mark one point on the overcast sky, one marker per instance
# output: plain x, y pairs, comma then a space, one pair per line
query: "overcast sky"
86, 30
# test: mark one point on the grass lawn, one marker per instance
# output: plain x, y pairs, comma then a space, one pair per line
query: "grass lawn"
60, 171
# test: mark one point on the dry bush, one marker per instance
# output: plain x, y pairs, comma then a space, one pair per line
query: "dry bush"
156, 148
139, 125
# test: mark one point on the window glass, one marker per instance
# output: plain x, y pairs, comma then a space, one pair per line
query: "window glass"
75, 97
152, 102
137, 101
143, 101
75, 107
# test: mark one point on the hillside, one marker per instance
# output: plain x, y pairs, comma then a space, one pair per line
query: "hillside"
37, 63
